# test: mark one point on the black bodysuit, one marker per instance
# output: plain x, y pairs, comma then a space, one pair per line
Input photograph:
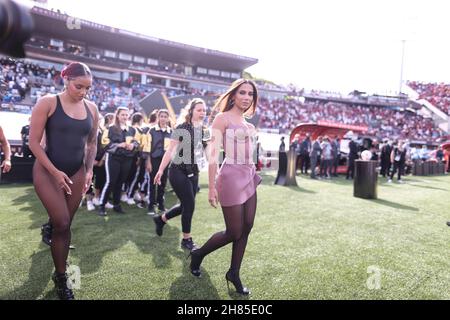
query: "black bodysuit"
66, 139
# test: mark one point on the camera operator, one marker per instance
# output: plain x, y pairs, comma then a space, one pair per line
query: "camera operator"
16, 25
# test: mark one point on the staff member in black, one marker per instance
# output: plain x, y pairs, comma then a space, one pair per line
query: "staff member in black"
25, 133
352, 156
158, 141
120, 145
186, 144
385, 158
398, 159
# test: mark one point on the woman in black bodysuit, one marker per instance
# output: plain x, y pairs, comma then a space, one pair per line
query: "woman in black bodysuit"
63, 170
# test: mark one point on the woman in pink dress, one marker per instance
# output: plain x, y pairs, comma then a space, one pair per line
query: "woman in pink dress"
234, 185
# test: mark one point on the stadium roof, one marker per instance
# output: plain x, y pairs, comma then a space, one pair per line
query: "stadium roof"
56, 24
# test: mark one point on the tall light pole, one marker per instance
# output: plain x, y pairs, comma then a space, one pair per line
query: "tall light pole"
401, 70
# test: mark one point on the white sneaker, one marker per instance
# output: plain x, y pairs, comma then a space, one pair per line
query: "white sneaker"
137, 197
389, 181
109, 205
96, 201
131, 202
124, 198
401, 181
90, 206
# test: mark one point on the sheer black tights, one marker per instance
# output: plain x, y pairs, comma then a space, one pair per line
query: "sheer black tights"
61, 209
239, 222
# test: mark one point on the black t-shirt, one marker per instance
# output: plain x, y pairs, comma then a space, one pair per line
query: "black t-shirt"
193, 140
399, 156
25, 132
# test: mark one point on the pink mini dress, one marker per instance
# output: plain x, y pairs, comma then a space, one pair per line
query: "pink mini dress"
237, 179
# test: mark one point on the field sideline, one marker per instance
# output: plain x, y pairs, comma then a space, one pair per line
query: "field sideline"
315, 241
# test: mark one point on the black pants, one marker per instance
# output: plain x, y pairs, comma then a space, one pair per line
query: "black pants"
398, 168
335, 166
305, 163
154, 188
313, 166
99, 177
185, 188
26, 151
138, 179
385, 167
117, 170
351, 167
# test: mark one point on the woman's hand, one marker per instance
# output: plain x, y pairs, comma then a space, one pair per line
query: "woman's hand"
6, 165
158, 178
63, 181
213, 197
88, 181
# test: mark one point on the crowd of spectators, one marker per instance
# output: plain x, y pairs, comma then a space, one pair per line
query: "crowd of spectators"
285, 115
18, 78
438, 94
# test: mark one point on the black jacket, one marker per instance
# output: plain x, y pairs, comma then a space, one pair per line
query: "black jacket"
113, 136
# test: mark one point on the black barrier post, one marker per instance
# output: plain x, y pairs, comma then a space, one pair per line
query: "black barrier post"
366, 178
21, 171
287, 169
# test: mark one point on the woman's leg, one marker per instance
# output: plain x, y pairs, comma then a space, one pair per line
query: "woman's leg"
234, 223
184, 190
239, 246
54, 200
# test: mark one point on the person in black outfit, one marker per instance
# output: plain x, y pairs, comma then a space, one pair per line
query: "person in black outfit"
25, 133
99, 177
63, 171
352, 156
385, 158
295, 145
186, 146
282, 147
398, 158
99, 163
120, 144
305, 149
336, 149
159, 137
137, 172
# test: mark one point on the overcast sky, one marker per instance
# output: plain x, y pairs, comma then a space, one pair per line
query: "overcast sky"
331, 45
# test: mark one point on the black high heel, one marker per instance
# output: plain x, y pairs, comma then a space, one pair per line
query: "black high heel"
231, 276
63, 291
196, 261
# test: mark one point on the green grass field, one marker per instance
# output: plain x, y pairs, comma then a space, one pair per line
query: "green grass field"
315, 241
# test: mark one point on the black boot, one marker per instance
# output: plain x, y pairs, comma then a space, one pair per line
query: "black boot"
63, 291
233, 277
46, 232
159, 225
196, 261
